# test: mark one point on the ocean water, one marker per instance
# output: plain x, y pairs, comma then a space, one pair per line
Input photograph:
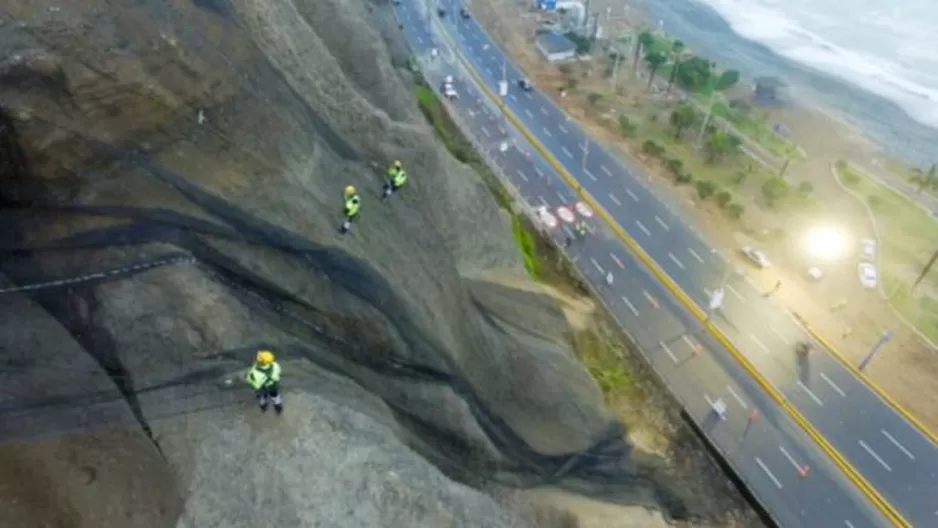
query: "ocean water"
874, 62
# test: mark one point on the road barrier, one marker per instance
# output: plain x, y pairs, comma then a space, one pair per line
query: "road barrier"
868, 490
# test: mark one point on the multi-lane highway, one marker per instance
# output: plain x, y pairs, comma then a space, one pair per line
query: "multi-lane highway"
889, 452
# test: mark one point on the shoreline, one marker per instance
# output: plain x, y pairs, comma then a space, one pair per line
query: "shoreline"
795, 101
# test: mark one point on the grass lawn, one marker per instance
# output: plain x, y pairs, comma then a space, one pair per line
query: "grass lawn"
909, 236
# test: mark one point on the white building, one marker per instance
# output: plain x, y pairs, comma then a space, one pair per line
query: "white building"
555, 47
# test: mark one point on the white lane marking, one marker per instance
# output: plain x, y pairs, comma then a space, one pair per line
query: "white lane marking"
897, 444
675, 260
547, 132
662, 224
631, 195
780, 335
523, 177
734, 292
643, 228
811, 394
651, 300
560, 196
737, 397
528, 95
760, 343
590, 174
530, 114
614, 199
630, 305
617, 261
513, 97
874, 455
769, 473
486, 132
562, 129
596, 265
790, 458
543, 110
604, 169
567, 152
833, 385
695, 255
849, 524
489, 70
668, 351
419, 40
540, 174
543, 201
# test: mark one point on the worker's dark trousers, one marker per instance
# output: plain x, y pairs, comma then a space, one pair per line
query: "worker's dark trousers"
270, 394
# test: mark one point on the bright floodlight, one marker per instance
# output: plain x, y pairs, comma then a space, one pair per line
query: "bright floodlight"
826, 243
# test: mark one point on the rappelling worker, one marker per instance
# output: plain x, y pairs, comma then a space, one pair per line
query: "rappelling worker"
264, 377
581, 229
397, 177
353, 203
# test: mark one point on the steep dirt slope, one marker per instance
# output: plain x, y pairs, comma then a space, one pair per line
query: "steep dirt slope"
184, 163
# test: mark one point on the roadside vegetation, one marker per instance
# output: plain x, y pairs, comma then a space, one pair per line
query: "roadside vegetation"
600, 346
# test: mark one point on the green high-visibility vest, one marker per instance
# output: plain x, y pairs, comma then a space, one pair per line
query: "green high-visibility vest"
261, 377
352, 205
399, 178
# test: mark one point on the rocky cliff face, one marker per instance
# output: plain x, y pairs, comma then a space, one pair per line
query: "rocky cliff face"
181, 164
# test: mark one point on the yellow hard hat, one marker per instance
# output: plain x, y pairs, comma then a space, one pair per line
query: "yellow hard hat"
265, 357
398, 164
349, 189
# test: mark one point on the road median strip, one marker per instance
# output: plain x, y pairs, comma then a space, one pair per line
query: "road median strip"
871, 493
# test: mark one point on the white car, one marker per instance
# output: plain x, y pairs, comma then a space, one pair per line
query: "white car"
757, 257
868, 250
867, 275
448, 91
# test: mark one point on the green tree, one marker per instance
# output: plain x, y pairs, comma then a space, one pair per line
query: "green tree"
583, 44
925, 180
685, 178
682, 118
645, 39
720, 145
774, 189
675, 166
715, 85
735, 211
739, 177
693, 74
705, 189
594, 98
655, 61
723, 199
652, 149
677, 51
626, 127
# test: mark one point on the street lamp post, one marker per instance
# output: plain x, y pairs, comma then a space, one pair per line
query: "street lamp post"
883, 339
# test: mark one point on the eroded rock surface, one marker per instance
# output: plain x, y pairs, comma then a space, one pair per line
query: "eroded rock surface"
184, 162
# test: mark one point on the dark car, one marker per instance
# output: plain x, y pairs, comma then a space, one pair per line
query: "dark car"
441, 11
525, 85
464, 13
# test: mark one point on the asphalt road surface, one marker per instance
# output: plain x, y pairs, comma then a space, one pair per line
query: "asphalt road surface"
891, 453
796, 482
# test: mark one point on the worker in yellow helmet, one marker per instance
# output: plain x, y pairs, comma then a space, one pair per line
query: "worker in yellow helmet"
397, 177
353, 203
264, 377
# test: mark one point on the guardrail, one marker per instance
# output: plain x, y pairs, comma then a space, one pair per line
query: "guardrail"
858, 480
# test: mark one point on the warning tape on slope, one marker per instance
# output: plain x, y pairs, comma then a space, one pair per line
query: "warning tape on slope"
871, 493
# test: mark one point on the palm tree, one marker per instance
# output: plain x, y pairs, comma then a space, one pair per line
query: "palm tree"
645, 39
677, 49
655, 60
715, 85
